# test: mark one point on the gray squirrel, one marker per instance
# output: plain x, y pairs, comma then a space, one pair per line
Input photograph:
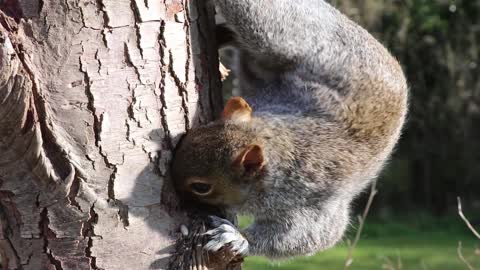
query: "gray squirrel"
323, 108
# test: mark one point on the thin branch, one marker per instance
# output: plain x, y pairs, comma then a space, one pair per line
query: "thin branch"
388, 264
460, 255
469, 225
351, 248
399, 261
424, 266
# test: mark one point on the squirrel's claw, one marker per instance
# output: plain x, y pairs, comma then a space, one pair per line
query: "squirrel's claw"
225, 234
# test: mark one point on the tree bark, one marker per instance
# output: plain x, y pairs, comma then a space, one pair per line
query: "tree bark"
94, 95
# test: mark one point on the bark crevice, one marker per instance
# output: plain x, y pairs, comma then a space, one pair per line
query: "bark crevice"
46, 233
182, 91
122, 208
88, 232
137, 20
188, 49
163, 73
101, 7
97, 128
129, 62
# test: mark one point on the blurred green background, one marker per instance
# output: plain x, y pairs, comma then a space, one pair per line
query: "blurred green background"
413, 222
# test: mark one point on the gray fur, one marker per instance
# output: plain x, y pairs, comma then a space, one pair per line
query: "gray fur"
329, 103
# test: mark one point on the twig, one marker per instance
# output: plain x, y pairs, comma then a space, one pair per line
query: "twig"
469, 225
460, 255
388, 264
351, 248
399, 261
424, 266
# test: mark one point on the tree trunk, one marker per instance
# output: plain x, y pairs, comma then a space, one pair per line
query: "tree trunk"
94, 95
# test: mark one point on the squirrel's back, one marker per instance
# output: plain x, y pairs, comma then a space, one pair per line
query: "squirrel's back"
340, 97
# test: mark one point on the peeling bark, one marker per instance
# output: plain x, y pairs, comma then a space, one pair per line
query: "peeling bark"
94, 95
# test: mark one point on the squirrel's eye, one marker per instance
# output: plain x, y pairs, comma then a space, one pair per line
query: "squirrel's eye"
201, 188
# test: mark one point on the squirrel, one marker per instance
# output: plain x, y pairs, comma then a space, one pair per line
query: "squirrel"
323, 108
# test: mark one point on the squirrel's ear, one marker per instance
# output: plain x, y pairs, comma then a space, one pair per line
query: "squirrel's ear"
251, 159
237, 109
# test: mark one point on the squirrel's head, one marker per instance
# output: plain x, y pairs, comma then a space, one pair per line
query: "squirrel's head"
223, 162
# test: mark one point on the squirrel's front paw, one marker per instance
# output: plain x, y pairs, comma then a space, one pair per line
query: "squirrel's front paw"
225, 234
